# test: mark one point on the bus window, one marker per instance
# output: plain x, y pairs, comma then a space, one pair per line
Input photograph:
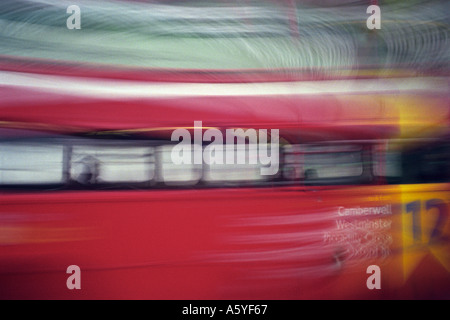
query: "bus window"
176, 174
387, 162
248, 169
31, 163
292, 168
96, 164
332, 165
427, 164
323, 164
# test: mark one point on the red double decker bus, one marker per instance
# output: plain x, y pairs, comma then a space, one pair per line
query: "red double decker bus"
87, 179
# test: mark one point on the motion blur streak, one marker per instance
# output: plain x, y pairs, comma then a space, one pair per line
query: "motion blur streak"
228, 35
136, 90
87, 177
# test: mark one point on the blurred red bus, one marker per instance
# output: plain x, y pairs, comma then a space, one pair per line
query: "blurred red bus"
87, 180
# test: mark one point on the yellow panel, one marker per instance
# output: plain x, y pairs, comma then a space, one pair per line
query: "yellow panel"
425, 226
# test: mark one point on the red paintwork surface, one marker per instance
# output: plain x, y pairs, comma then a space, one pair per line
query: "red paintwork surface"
263, 243
321, 117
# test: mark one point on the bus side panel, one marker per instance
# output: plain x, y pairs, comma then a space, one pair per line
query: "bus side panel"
285, 243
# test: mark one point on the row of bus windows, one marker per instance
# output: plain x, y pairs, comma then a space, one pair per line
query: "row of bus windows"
28, 163
41, 163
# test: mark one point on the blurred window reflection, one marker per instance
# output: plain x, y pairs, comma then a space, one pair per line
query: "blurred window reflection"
30, 163
387, 162
310, 163
247, 172
429, 163
103, 164
176, 174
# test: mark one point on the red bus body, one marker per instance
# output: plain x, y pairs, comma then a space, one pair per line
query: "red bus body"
272, 242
